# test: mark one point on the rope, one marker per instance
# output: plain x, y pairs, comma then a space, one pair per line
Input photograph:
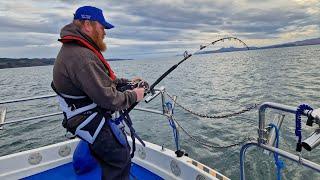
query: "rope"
279, 163
251, 107
173, 126
207, 144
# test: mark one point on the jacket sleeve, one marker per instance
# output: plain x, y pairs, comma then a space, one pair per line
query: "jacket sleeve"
93, 81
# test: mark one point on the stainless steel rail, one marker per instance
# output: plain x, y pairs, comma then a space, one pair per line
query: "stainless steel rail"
262, 132
30, 118
285, 154
28, 99
270, 105
56, 113
48, 96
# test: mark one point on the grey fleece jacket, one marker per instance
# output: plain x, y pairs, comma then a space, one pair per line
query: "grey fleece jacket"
78, 71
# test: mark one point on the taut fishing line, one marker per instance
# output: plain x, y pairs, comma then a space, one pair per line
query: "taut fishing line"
217, 80
186, 56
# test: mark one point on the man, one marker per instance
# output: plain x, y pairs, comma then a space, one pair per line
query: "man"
87, 91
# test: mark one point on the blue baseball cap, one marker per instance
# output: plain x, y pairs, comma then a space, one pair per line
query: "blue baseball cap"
92, 14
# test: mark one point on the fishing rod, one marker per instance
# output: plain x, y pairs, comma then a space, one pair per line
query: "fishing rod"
186, 56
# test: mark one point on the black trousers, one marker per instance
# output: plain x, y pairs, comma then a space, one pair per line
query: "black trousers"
114, 158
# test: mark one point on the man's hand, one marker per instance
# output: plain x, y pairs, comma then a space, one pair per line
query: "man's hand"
136, 79
140, 93
140, 83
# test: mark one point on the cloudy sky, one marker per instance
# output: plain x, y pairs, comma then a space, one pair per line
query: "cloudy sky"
147, 28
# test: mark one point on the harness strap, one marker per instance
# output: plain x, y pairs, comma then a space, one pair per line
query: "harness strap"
133, 134
55, 90
75, 102
89, 117
82, 126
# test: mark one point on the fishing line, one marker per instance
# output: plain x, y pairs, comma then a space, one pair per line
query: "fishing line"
186, 56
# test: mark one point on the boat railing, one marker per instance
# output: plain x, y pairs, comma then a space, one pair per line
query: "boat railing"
265, 132
3, 110
167, 111
266, 135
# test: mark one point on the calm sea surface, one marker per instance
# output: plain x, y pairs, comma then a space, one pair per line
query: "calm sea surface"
212, 84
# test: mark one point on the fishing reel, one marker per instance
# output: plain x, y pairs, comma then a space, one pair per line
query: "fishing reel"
134, 84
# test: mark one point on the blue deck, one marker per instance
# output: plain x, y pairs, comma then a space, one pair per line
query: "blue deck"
66, 172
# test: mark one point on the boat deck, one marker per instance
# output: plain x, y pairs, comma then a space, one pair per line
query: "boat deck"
66, 172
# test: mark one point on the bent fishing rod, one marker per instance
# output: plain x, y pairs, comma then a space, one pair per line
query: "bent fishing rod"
186, 56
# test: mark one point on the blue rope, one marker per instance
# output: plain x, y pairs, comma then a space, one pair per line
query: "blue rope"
278, 162
301, 108
173, 126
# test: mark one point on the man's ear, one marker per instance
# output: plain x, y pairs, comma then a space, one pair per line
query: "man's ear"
87, 27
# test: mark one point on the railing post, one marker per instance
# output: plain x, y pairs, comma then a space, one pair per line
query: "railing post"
242, 159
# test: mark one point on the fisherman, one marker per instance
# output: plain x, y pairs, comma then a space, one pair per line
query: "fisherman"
87, 91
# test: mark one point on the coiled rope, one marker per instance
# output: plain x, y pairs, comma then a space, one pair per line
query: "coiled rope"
299, 112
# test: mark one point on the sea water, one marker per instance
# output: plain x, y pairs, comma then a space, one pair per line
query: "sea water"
209, 84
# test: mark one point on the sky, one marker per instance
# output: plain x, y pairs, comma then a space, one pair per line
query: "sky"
151, 28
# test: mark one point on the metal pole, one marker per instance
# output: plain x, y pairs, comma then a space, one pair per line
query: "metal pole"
276, 106
31, 118
285, 154
242, 159
27, 99
149, 110
58, 113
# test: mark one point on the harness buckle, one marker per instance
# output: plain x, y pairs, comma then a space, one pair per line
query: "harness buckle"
69, 135
73, 107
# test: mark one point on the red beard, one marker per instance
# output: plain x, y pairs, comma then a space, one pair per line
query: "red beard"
98, 39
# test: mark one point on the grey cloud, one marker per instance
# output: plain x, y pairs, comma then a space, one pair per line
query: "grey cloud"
27, 39
9, 24
143, 20
161, 22
162, 15
277, 15
144, 33
265, 23
150, 50
11, 43
259, 36
258, 22
154, 18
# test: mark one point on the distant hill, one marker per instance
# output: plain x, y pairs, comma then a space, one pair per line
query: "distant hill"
306, 42
26, 62
230, 49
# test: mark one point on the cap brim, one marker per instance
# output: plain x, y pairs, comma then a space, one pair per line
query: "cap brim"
107, 25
